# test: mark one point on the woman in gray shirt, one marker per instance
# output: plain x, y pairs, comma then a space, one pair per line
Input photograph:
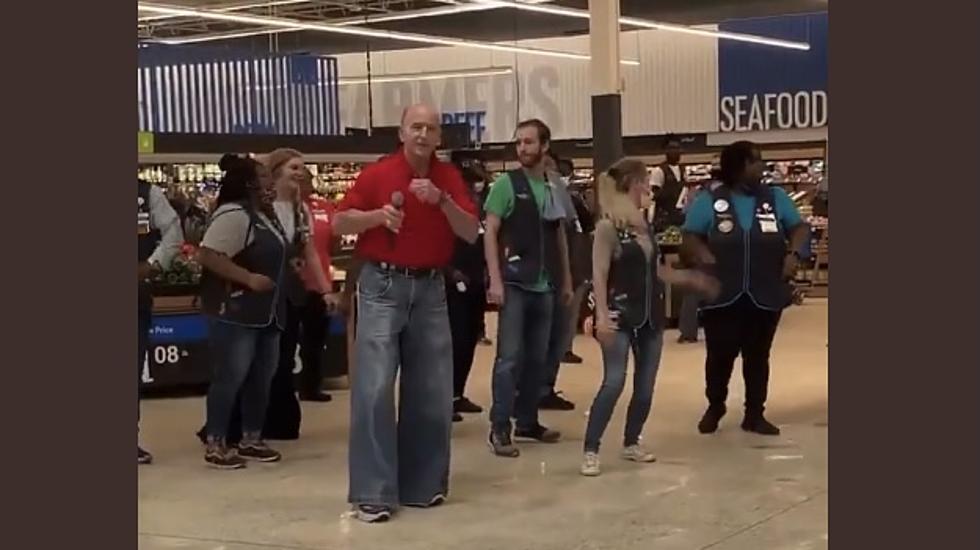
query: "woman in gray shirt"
243, 253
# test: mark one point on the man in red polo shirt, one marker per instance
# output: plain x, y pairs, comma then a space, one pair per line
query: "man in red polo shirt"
407, 209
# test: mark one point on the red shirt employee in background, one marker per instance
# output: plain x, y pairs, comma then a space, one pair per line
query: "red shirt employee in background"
316, 313
407, 209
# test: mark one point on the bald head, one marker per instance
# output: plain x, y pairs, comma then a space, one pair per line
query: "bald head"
421, 131
420, 110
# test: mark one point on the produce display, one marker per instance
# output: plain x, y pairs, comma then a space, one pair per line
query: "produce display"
184, 271
670, 237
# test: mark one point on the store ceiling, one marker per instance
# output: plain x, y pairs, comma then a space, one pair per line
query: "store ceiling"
502, 24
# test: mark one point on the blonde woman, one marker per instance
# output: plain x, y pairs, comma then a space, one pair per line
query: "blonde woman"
288, 170
629, 295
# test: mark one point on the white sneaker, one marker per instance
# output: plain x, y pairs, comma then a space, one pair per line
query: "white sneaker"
636, 453
590, 465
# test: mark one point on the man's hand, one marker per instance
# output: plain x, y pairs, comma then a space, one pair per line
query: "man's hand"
495, 294
389, 217
260, 283
425, 191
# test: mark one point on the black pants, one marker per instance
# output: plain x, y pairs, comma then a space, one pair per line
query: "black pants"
466, 311
313, 336
284, 415
741, 328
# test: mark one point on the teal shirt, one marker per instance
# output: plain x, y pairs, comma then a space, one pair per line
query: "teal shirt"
701, 214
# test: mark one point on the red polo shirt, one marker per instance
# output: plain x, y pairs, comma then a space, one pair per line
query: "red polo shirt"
322, 212
425, 240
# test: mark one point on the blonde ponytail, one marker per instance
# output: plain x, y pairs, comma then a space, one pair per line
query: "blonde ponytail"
612, 187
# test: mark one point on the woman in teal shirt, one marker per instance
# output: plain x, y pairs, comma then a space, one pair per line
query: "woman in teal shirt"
750, 237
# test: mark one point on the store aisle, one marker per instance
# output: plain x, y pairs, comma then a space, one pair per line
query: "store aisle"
732, 491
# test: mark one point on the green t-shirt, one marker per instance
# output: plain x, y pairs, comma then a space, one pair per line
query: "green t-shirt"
500, 202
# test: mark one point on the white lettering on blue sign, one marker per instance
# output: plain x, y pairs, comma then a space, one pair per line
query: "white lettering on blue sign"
763, 112
475, 119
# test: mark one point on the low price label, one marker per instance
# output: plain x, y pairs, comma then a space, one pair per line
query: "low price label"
178, 352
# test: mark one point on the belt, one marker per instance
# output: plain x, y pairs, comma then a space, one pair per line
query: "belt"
413, 272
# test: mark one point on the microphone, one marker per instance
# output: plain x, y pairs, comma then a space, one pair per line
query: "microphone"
397, 202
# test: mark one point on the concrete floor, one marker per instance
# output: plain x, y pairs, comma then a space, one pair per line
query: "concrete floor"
730, 491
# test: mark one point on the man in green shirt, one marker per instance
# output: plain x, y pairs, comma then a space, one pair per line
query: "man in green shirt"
527, 260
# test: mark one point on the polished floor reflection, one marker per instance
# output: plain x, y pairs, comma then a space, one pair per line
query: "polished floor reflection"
730, 491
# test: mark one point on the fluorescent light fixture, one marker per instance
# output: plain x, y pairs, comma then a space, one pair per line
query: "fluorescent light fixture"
647, 24
236, 7
414, 14
264, 21
434, 75
211, 37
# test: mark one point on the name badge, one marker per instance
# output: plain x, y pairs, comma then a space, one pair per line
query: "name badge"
768, 226
142, 223
461, 286
721, 205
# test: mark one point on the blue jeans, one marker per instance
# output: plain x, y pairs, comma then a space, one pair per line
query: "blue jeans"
647, 344
402, 322
244, 360
559, 341
523, 333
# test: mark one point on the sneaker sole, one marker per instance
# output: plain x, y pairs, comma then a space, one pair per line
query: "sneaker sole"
262, 460
752, 431
589, 474
437, 500
226, 466
529, 438
639, 460
373, 518
493, 451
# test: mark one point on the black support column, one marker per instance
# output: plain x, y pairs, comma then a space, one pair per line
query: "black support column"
607, 119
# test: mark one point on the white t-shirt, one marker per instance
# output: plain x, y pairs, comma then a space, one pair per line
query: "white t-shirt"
287, 217
657, 180
657, 175
228, 230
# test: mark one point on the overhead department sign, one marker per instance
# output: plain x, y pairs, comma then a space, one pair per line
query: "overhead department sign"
762, 88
